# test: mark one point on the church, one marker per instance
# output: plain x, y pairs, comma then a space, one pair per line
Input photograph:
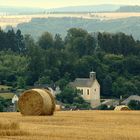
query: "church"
90, 89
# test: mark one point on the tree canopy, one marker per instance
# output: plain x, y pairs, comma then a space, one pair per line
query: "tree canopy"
56, 61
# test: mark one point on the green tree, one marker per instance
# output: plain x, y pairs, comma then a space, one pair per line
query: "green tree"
79, 46
36, 64
20, 42
132, 64
67, 95
3, 104
73, 33
134, 105
123, 87
58, 42
107, 86
118, 87
72, 98
46, 41
21, 83
90, 44
12, 66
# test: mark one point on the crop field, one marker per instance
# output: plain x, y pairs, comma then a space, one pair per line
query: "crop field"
14, 20
2, 87
72, 125
7, 95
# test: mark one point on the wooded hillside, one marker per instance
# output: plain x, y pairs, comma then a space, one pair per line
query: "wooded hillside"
53, 60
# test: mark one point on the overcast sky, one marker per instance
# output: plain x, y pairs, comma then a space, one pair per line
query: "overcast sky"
63, 3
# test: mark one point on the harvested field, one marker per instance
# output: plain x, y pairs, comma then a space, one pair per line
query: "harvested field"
72, 125
14, 20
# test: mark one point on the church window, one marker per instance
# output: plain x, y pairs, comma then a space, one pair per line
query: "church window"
87, 91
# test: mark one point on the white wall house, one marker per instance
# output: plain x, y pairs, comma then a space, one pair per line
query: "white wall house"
90, 89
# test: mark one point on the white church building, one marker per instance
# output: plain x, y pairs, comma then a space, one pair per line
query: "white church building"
90, 89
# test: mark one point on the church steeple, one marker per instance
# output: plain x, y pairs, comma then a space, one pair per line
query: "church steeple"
92, 75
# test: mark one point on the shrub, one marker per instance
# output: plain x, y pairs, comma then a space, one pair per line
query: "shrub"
134, 105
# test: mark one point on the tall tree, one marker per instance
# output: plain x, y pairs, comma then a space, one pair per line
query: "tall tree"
107, 86
58, 42
20, 42
46, 40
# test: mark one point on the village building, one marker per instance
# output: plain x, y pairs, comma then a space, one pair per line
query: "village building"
90, 89
130, 98
12, 100
52, 88
110, 102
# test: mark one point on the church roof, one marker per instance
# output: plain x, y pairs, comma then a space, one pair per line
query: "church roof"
82, 82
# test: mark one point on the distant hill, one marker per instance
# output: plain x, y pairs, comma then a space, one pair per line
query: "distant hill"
29, 10
19, 10
129, 9
87, 8
60, 25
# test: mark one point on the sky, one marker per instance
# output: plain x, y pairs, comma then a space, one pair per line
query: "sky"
63, 3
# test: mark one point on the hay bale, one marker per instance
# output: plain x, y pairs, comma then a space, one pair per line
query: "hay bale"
57, 107
122, 108
36, 102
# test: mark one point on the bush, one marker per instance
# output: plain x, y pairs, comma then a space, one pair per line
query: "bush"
134, 105
72, 99
105, 107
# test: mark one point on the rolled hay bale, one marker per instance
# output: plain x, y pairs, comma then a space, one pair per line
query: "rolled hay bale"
122, 108
57, 107
36, 102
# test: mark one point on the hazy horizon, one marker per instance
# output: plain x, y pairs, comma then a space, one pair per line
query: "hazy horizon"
63, 3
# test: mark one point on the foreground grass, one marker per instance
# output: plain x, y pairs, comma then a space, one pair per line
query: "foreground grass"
73, 125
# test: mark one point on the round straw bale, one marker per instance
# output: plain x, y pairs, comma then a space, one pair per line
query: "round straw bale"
36, 102
122, 108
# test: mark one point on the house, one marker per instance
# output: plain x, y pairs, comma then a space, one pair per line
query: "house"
10, 99
52, 88
14, 101
57, 90
111, 102
132, 97
90, 89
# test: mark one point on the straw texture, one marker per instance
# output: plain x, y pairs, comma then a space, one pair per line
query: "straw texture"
36, 102
122, 108
57, 108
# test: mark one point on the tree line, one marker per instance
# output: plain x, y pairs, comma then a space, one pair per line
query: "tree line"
57, 61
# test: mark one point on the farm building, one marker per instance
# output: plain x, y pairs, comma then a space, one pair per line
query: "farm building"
110, 102
132, 97
90, 89
52, 88
11, 99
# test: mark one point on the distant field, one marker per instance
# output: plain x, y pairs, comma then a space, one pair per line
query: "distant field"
13, 20
7, 95
72, 125
3, 87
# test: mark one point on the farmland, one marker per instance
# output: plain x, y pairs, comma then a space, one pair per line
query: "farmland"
14, 20
72, 125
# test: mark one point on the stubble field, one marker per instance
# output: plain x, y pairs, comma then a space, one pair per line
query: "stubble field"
14, 20
72, 125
